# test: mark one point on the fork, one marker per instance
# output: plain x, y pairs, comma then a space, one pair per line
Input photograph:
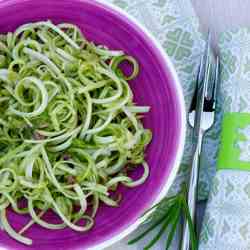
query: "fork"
201, 118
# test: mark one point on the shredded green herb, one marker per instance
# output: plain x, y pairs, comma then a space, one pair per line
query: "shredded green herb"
69, 130
166, 216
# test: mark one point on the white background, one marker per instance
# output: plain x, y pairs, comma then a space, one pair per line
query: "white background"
220, 15
217, 15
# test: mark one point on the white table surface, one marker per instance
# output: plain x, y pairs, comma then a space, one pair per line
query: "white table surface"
217, 15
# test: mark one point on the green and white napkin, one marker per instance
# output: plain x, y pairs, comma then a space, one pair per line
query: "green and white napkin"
176, 27
227, 219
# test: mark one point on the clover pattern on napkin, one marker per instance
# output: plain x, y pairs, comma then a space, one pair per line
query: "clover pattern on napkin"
227, 221
175, 25
235, 71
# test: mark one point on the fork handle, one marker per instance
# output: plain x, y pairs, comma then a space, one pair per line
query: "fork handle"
192, 195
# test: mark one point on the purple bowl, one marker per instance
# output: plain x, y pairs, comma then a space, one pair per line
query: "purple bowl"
156, 86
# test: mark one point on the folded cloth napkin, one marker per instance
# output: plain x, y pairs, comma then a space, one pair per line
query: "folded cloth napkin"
175, 25
226, 224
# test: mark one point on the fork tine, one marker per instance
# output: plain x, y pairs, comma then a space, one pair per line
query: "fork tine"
216, 80
210, 101
202, 69
211, 87
194, 99
213, 81
205, 58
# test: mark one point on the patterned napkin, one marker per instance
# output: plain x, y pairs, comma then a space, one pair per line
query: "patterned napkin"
176, 27
227, 220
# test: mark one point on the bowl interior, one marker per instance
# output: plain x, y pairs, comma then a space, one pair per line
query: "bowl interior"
155, 87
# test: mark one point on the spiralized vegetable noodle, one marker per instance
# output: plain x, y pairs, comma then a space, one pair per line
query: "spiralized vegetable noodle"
69, 130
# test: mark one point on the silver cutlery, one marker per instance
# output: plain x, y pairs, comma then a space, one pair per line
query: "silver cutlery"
201, 118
